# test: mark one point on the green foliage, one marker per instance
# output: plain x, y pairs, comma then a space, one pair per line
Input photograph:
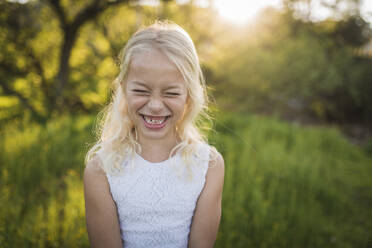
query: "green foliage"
40, 183
285, 186
282, 65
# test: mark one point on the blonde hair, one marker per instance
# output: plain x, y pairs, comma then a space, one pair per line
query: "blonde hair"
116, 138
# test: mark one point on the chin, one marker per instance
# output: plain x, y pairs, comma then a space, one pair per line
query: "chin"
156, 134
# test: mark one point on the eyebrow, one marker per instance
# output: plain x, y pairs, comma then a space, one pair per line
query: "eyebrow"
173, 87
167, 88
140, 83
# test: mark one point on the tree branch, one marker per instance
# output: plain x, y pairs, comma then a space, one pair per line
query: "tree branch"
40, 71
24, 100
92, 11
70, 31
56, 5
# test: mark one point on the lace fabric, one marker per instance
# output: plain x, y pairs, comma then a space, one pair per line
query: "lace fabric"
155, 205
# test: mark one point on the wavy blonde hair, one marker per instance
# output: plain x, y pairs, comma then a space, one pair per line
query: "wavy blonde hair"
115, 130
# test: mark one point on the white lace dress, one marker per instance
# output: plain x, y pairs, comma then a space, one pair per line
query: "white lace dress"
156, 201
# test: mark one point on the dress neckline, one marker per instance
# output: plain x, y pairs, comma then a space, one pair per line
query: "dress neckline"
155, 163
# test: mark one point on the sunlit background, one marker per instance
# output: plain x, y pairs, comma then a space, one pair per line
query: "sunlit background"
290, 86
241, 11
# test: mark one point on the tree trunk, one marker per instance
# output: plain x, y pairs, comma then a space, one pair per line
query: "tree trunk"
64, 67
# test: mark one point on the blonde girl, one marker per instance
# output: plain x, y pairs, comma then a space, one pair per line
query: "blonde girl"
151, 180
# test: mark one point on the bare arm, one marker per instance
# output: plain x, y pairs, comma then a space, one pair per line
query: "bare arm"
101, 214
207, 214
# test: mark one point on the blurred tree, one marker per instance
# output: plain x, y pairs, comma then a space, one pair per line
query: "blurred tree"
18, 59
298, 69
70, 30
306, 9
31, 32
353, 31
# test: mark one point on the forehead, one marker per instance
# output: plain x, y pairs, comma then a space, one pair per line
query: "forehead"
153, 68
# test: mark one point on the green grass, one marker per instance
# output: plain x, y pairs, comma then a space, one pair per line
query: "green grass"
289, 186
285, 185
41, 192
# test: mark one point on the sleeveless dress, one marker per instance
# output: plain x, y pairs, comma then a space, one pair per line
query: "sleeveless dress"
156, 201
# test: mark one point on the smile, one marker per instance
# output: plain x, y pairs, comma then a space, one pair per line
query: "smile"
155, 122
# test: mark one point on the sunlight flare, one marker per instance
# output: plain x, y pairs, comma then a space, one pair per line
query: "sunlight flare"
241, 11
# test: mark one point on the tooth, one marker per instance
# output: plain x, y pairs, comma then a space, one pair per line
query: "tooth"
153, 121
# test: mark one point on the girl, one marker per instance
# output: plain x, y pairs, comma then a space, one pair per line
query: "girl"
151, 180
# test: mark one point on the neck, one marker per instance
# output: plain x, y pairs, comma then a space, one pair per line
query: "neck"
157, 150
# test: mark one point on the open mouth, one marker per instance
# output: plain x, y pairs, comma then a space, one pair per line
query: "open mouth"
155, 121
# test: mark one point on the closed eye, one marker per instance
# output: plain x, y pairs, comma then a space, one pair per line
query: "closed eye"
172, 93
140, 91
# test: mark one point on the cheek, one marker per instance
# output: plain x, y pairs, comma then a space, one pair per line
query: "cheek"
135, 103
177, 105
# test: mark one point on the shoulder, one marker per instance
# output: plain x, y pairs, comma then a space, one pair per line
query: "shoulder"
214, 180
216, 168
96, 185
94, 167
216, 159
93, 173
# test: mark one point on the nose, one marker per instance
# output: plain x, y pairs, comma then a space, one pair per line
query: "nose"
155, 105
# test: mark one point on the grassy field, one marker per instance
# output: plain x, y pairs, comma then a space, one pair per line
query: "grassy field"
285, 185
